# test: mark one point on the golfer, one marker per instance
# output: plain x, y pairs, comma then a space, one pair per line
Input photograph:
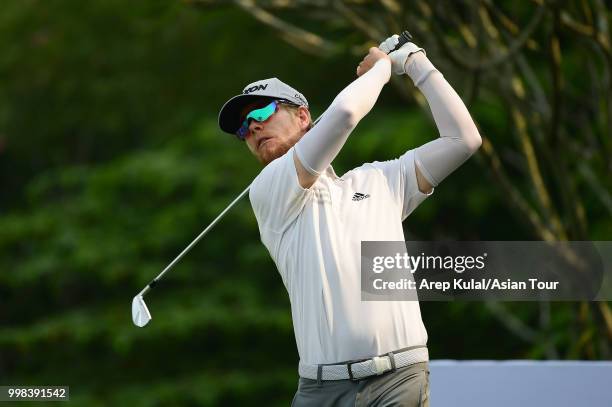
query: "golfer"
312, 222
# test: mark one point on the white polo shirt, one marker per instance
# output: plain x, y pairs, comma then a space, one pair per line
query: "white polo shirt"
314, 237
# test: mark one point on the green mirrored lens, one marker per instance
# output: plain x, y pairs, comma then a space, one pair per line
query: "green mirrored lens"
262, 114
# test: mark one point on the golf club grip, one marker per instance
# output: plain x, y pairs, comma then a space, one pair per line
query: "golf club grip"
404, 37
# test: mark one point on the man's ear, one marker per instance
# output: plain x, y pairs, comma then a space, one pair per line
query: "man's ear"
304, 117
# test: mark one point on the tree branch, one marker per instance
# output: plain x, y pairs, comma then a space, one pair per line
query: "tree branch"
511, 322
304, 40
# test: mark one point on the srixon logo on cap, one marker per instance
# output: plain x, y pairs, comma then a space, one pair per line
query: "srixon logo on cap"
255, 88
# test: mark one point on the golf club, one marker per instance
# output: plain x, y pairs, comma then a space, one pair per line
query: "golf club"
140, 312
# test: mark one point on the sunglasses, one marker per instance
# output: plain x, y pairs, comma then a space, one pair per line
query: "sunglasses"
261, 115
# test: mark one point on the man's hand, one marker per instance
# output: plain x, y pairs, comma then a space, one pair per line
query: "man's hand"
374, 55
399, 57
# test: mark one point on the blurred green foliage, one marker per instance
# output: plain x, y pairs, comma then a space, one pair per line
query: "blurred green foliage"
111, 162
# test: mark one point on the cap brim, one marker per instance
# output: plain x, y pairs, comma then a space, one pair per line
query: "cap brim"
229, 116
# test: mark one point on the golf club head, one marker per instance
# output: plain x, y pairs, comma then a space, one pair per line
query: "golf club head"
140, 313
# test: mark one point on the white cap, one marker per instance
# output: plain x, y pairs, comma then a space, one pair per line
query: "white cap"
272, 88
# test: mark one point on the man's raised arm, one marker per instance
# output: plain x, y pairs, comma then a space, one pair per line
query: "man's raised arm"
459, 137
317, 148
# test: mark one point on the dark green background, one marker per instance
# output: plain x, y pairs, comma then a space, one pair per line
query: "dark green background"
111, 162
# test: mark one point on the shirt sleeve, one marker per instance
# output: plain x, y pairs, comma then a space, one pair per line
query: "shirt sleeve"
319, 146
276, 195
400, 175
459, 137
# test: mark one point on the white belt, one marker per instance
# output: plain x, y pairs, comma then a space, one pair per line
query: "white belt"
360, 369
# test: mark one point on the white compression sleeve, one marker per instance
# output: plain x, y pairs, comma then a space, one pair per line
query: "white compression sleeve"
459, 137
317, 148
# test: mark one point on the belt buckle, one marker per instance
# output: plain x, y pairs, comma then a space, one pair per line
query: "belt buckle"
381, 364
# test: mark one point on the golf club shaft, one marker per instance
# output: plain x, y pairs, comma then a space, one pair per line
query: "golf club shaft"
403, 38
194, 242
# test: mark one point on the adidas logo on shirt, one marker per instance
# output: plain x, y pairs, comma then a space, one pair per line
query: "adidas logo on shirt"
359, 196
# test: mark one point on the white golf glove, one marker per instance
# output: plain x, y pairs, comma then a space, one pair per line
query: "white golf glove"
399, 57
